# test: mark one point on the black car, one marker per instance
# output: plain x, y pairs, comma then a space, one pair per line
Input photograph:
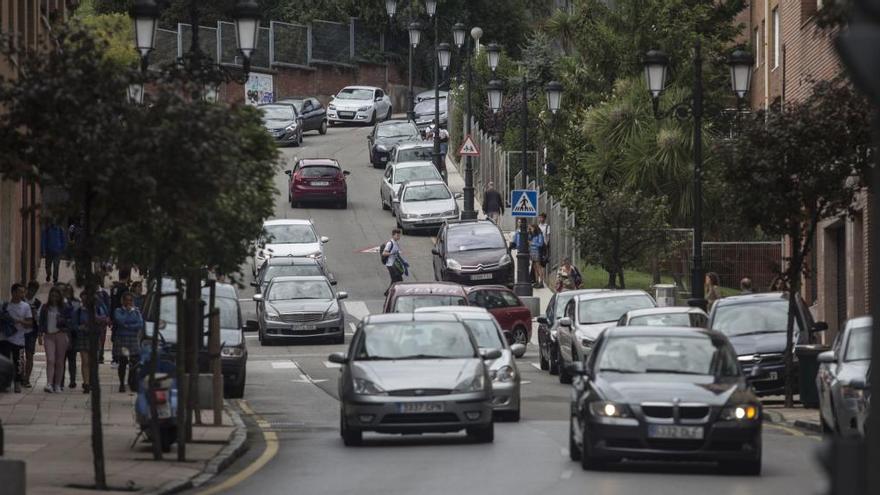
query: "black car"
283, 122
313, 113
665, 393
289, 266
472, 252
385, 135
755, 325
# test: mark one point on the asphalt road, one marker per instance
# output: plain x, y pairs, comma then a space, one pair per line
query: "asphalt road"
290, 399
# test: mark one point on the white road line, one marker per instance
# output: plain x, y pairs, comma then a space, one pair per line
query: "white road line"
251, 336
525, 382
534, 339
328, 364
563, 452
284, 365
357, 309
352, 326
565, 474
246, 299
535, 365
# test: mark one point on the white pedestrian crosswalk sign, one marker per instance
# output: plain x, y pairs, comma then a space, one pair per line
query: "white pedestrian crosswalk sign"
524, 202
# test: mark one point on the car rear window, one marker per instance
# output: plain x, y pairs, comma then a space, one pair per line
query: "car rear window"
858, 347
291, 271
610, 309
473, 237
662, 320
408, 304
428, 172
313, 171
415, 155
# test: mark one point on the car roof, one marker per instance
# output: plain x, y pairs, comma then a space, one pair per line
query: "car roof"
394, 121
319, 161
421, 182
291, 260
465, 312
299, 278
276, 104
484, 287
752, 298
406, 145
665, 310
360, 87
398, 317
859, 321
611, 293
288, 221
420, 163
444, 288
647, 331
466, 222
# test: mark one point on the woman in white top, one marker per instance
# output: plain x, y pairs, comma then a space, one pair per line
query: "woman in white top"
53, 335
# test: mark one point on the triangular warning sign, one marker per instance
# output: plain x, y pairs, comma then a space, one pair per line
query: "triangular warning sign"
524, 205
468, 147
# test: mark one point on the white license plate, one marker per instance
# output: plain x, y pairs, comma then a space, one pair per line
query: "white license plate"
164, 410
320, 183
383, 158
678, 432
304, 327
420, 407
482, 276
346, 114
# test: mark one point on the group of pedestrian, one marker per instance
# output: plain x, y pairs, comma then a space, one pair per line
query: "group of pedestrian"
64, 327
713, 287
538, 235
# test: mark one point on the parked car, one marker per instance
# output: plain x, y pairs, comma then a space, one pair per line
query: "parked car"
294, 308
289, 266
430, 93
472, 252
671, 393
406, 297
586, 316
548, 327
233, 351
289, 237
398, 173
503, 371
365, 104
848, 361
756, 326
385, 135
414, 373
313, 113
317, 179
668, 316
424, 112
413, 151
283, 122
513, 316
425, 205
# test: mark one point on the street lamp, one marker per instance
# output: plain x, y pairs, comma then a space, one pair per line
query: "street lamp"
495, 93
553, 90
415, 34
247, 27
459, 34
145, 14
391, 7
431, 7
656, 65
444, 53
493, 53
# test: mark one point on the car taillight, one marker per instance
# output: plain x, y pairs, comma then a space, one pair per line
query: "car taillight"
340, 178
160, 396
297, 177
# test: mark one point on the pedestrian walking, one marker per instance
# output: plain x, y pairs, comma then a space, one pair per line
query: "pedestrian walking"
493, 203
128, 324
545, 231
713, 288
73, 304
53, 327
393, 259
103, 296
536, 242
120, 287
84, 329
16, 320
30, 338
745, 286
568, 277
53, 243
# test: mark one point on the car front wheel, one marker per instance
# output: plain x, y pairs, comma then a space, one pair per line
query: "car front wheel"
482, 434
351, 437
574, 452
520, 335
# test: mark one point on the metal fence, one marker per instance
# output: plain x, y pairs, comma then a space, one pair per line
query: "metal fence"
291, 44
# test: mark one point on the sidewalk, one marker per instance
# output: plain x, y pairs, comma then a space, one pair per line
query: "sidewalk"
797, 417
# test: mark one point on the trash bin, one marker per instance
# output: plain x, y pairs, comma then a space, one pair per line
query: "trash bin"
664, 294
808, 367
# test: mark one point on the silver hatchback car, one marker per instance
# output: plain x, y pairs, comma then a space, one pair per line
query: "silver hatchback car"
841, 400
414, 373
425, 205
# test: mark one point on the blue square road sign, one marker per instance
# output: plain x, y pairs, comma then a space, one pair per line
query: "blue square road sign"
524, 203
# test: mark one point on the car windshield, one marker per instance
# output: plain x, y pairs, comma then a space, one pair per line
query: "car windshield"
290, 234
427, 106
355, 94
421, 154
415, 340
408, 304
697, 355
428, 172
398, 129
473, 237
426, 193
486, 332
278, 112
315, 171
757, 317
299, 289
858, 347
312, 270
662, 320
610, 309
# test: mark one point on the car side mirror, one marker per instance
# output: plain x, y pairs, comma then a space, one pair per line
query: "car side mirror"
324, 239
346, 172
542, 320
576, 369
435, 251
565, 322
518, 350
458, 195
378, 98
251, 326
827, 357
258, 297
341, 295
288, 172
338, 358
488, 354
333, 282
819, 326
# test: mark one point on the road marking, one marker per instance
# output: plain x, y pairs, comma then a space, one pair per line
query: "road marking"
525, 382
563, 451
271, 450
357, 309
536, 366
792, 431
284, 365
328, 364
246, 299
307, 379
565, 474
251, 336
352, 326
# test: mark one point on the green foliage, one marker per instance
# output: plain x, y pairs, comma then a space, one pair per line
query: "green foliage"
116, 31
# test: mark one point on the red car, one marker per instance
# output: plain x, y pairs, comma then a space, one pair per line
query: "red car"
406, 297
317, 179
513, 316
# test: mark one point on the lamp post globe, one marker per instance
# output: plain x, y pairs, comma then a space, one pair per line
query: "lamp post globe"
459, 31
431, 7
415, 33
553, 90
495, 93
476, 34
656, 64
247, 26
391, 7
493, 53
444, 53
145, 14
740, 62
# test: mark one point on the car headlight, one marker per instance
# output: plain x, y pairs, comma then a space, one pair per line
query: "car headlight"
316, 255
449, 213
366, 387
232, 351
505, 260
742, 412
474, 384
364, 109
503, 374
291, 127
332, 313
331, 107
849, 392
408, 216
273, 317
453, 265
608, 409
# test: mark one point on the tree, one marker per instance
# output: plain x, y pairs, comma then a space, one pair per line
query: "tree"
791, 168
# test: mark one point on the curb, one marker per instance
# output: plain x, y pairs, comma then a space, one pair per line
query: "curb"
227, 455
779, 418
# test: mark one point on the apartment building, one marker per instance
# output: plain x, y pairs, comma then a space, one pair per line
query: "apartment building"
791, 52
25, 22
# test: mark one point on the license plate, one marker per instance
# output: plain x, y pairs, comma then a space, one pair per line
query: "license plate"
420, 407
482, 276
678, 432
383, 158
303, 327
320, 183
164, 410
771, 376
346, 114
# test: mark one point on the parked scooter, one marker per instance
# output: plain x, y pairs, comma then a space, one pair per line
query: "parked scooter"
165, 395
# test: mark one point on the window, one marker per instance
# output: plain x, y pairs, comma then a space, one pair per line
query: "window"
777, 42
756, 41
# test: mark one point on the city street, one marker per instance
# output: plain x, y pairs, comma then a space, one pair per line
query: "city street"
290, 399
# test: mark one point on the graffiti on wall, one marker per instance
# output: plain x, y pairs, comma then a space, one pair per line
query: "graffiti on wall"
259, 89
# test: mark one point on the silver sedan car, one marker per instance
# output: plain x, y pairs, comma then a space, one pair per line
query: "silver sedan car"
300, 307
425, 205
841, 400
414, 373
398, 173
503, 371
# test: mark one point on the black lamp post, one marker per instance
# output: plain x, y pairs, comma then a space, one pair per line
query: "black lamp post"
415, 35
459, 34
444, 52
656, 65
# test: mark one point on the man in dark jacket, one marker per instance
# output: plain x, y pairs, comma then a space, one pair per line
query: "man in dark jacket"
53, 242
493, 203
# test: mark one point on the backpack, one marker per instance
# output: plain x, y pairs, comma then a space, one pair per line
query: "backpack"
382, 257
7, 324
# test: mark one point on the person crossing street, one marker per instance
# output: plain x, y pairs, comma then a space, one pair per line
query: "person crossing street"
393, 259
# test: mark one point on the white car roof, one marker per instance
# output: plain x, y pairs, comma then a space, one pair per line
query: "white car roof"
412, 164
361, 87
464, 312
611, 293
288, 221
666, 310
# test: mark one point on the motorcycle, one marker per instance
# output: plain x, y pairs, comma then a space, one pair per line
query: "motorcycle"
165, 394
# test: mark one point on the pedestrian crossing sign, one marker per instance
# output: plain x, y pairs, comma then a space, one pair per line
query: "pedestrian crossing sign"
525, 203
469, 147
